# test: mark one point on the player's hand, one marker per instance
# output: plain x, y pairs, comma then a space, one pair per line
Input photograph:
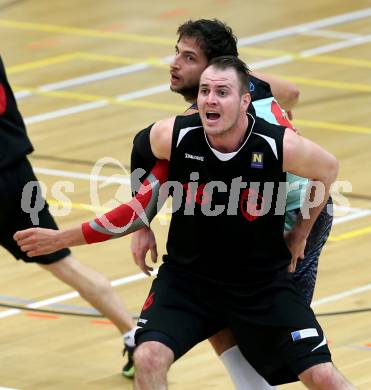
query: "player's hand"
296, 245
38, 241
143, 240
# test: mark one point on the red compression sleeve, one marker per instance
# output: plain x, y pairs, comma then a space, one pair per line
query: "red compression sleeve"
129, 217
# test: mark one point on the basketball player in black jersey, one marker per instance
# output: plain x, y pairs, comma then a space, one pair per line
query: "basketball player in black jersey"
199, 41
224, 216
195, 294
15, 173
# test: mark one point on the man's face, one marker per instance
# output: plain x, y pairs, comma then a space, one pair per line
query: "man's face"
186, 68
219, 101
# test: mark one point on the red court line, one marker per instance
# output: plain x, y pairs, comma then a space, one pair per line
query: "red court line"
44, 316
174, 12
101, 322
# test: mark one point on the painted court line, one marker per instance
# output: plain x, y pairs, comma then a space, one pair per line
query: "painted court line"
94, 77
141, 276
114, 72
336, 46
351, 234
65, 111
83, 176
242, 42
332, 21
355, 213
41, 63
164, 87
84, 32
331, 34
312, 52
321, 23
74, 294
339, 296
7, 388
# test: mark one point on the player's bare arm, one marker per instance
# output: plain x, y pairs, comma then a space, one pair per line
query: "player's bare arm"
40, 241
118, 222
304, 158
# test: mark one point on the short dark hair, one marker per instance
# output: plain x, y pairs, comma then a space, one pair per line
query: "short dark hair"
242, 70
214, 37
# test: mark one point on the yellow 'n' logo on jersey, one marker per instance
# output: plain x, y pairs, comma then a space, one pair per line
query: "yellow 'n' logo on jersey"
257, 160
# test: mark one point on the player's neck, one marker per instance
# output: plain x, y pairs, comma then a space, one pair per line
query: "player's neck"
232, 139
190, 99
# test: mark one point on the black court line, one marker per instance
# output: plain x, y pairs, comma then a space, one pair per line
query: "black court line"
10, 4
68, 313
57, 312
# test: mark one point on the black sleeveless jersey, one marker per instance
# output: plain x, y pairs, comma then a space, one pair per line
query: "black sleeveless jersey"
14, 143
259, 89
227, 223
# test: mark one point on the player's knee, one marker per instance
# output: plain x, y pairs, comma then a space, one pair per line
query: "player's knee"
60, 266
222, 341
321, 376
152, 356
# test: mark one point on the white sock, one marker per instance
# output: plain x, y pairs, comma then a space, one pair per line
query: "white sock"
243, 375
129, 337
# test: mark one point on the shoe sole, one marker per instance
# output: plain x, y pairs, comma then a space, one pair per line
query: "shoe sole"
129, 374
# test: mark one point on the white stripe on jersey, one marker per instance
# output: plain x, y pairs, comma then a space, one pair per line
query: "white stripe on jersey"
183, 132
271, 142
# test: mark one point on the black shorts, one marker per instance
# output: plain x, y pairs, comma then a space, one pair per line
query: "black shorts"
177, 312
275, 329
12, 218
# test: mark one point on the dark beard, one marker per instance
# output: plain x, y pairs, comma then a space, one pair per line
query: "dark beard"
189, 93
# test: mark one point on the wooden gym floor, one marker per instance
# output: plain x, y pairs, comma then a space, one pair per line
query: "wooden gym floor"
88, 75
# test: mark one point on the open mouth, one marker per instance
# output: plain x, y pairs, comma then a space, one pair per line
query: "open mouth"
174, 77
213, 116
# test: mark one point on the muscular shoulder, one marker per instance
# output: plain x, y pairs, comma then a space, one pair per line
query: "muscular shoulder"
295, 151
162, 133
161, 136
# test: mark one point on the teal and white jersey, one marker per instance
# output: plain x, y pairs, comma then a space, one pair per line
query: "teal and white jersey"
269, 110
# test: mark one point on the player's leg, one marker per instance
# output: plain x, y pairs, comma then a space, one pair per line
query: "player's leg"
242, 374
92, 286
325, 377
152, 362
175, 317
